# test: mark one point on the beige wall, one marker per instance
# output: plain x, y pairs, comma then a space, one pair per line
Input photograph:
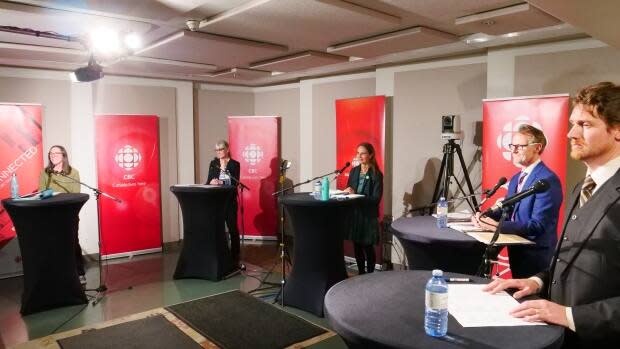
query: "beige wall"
420, 99
53, 95
145, 100
285, 104
324, 96
212, 110
541, 74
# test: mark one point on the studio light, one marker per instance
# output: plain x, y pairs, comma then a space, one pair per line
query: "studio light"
91, 72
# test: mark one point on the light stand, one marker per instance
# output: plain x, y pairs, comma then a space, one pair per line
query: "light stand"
491, 251
102, 288
446, 173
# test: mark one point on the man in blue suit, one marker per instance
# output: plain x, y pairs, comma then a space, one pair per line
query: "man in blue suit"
535, 217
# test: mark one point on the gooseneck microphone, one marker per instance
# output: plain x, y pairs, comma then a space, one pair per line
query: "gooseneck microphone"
500, 182
538, 187
343, 168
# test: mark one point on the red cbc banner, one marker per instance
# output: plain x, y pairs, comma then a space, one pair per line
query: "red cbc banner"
501, 118
255, 143
20, 153
359, 120
128, 168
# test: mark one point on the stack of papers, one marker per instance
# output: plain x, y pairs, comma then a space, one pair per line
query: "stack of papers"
472, 307
503, 239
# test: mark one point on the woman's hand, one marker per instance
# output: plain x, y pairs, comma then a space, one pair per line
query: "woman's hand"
349, 190
215, 181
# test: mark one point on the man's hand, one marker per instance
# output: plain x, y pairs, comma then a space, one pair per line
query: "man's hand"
541, 310
485, 223
526, 287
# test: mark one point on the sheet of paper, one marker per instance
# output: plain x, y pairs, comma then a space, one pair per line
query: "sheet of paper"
465, 227
503, 239
473, 308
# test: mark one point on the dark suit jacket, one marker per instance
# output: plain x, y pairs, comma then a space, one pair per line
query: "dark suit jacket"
233, 167
536, 219
587, 274
372, 189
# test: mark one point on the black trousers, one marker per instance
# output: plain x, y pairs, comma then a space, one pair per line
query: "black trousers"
79, 259
364, 254
233, 231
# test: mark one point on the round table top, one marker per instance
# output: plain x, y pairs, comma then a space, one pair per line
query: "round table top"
56, 200
199, 188
306, 199
387, 308
423, 229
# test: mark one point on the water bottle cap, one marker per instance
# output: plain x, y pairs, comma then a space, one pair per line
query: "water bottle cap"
442, 198
437, 272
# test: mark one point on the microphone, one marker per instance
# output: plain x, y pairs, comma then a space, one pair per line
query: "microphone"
500, 182
343, 168
538, 187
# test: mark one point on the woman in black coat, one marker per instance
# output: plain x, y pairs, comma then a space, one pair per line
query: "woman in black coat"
221, 169
365, 179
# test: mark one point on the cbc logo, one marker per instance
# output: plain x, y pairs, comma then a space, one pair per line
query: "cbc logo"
252, 154
505, 137
128, 157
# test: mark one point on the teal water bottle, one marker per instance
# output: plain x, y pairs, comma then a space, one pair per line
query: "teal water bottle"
14, 187
325, 189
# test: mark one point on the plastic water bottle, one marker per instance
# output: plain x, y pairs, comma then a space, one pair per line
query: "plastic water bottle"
14, 187
442, 213
325, 189
436, 309
316, 190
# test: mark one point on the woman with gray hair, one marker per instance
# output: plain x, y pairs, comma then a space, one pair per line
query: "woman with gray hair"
225, 171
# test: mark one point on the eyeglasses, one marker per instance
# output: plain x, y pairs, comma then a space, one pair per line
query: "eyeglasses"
220, 149
517, 147
55, 153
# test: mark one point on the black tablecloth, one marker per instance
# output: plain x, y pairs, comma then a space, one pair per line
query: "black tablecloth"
205, 253
46, 232
428, 247
320, 228
386, 310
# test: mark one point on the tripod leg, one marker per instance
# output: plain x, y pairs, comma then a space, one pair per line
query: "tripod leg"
466, 175
444, 160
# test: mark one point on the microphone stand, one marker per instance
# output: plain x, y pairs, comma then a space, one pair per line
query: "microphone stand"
277, 193
242, 209
102, 288
491, 251
433, 204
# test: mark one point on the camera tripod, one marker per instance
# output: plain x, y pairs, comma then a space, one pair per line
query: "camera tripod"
446, 174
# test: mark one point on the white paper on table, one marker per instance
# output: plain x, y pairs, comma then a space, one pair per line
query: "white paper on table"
472, 307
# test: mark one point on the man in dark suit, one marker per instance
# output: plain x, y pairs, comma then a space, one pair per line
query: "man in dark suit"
535, 217
582, 284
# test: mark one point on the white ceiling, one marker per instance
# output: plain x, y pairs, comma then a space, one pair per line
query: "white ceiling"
284, 40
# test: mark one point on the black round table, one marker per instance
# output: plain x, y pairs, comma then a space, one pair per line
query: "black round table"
318, 263
386, 310
428, 247
46, 231
205, 253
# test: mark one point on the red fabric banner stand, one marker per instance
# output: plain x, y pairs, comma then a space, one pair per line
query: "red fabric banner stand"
255, 143
20, 153
502, 117
128, 167
359, 120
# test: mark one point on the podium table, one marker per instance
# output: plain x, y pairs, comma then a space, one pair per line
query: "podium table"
428, 247
320, 228
386, 310
205, 253
46, 230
